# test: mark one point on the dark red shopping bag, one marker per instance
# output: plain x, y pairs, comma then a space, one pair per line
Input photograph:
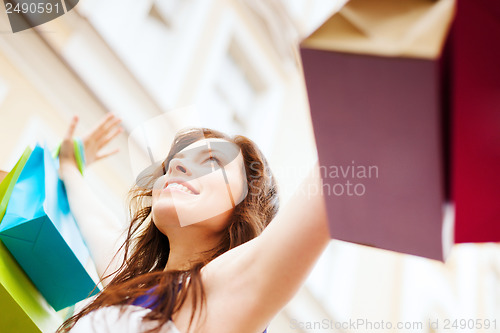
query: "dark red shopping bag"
373, 74
476, 121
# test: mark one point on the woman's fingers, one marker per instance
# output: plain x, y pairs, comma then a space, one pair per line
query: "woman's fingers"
109, 125
107, 129
71, 129
100, 135
103, 155
104, 140
106, 124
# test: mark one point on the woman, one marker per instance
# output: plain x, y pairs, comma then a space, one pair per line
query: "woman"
205, 250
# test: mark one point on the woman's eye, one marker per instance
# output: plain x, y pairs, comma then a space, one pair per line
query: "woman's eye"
213, 158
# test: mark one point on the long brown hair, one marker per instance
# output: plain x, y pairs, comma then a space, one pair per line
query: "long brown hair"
146, 249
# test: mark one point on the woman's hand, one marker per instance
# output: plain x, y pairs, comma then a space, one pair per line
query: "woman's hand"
99, 137
93, 142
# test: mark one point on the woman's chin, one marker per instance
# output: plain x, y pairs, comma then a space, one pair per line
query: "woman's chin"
170, 215
166, 213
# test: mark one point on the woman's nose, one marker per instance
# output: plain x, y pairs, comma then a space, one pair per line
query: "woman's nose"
177, 166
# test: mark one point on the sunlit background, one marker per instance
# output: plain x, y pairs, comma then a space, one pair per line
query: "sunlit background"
237, 61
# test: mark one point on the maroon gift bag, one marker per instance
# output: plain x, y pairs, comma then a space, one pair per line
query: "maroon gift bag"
374, 83
476, 121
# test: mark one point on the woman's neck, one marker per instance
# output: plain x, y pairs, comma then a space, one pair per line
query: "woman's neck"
188, 245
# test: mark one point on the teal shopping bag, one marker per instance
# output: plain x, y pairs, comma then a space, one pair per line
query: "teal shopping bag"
22, 307
41, 233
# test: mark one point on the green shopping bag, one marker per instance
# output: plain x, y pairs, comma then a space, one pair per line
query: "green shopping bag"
22, 307
7, 183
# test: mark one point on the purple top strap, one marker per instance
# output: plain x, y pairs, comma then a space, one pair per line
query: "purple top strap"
147, 301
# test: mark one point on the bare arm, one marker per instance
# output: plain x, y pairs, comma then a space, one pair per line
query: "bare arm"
101, 230
262, 275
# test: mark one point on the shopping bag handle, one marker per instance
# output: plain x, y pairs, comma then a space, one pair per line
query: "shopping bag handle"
79, 153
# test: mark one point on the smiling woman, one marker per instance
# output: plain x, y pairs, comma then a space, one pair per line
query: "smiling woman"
197, 256
202, 181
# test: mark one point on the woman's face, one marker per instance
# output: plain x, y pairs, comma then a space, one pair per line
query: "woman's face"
201, 186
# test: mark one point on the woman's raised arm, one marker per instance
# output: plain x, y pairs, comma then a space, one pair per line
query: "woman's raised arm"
100, 228
262, 275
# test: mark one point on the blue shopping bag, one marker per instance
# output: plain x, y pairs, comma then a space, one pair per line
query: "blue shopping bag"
22, 307
41, 233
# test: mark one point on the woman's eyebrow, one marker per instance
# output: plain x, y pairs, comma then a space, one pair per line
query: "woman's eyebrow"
210, 151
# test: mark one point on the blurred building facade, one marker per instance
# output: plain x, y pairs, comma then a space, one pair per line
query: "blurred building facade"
236, 60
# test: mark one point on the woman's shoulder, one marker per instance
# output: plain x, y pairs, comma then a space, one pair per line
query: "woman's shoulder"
119, 319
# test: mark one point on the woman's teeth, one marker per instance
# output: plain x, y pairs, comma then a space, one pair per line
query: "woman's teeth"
180, 187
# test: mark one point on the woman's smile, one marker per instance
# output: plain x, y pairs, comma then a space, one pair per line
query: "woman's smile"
180, 186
